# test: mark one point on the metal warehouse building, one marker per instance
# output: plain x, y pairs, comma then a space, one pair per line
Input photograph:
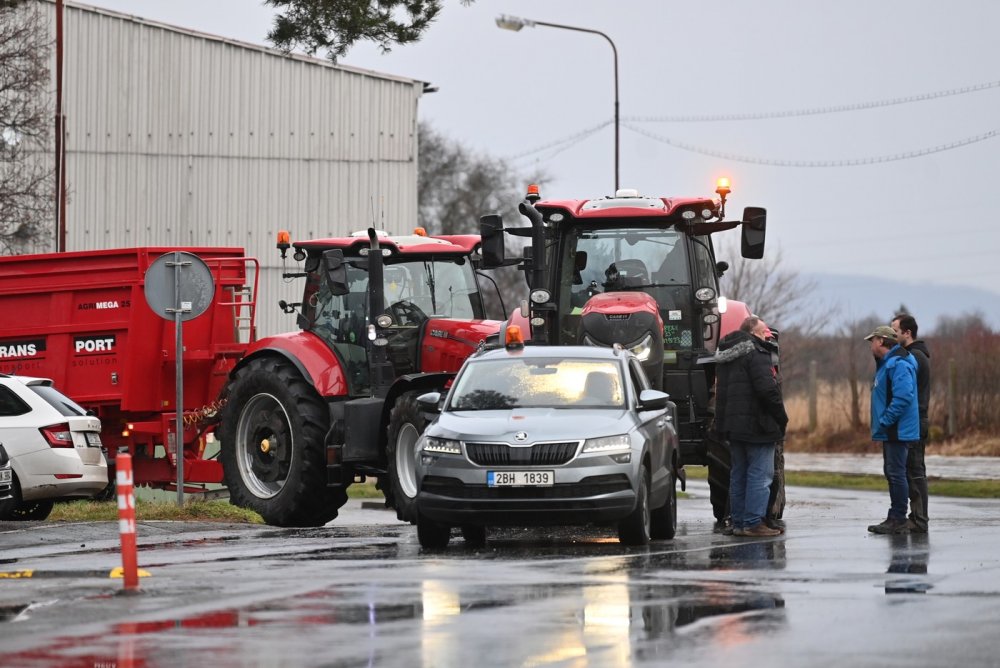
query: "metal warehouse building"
174, 137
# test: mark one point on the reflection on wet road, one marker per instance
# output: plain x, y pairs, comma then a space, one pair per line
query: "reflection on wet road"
362, 593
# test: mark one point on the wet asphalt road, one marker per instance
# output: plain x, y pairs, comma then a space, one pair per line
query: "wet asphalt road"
361, 592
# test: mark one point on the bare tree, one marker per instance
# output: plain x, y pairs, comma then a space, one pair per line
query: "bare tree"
27, 178
455, 186
772, 290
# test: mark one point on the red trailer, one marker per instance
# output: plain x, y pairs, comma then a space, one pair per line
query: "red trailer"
81, 319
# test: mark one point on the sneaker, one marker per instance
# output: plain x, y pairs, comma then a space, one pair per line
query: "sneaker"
913, 527
890, 526
760, 530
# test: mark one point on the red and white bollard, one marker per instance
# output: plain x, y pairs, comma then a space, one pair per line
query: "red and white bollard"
126, 521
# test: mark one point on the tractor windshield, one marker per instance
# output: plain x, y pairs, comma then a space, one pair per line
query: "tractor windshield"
651, 260
415, 289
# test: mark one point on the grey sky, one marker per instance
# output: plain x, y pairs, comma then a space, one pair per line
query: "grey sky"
921, 219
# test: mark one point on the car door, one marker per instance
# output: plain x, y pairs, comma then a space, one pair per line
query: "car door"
653, 425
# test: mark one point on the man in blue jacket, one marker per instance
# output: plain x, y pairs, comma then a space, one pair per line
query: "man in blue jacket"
895, 420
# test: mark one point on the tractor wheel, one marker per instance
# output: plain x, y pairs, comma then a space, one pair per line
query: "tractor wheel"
273, 451
719, 465
406, 423
16, 510
664, 520
637, 527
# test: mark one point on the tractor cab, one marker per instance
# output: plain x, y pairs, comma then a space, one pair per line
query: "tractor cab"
376, 327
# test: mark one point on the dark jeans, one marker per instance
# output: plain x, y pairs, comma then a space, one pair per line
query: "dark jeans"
894, 455
750, 481
916, 478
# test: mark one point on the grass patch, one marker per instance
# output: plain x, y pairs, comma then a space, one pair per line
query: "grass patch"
194, 511
970, 489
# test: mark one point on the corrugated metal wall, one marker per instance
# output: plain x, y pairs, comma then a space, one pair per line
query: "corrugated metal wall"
174, 137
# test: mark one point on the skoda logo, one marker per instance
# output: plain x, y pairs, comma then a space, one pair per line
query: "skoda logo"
521, 436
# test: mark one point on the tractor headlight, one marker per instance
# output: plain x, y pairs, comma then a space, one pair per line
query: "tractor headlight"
608, 444
442, 445
643, 349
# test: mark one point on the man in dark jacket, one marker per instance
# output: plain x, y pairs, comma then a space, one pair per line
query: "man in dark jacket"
905, 326
750, 412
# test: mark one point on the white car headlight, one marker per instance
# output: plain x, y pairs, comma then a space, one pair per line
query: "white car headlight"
643, 349
442, 445
608, 444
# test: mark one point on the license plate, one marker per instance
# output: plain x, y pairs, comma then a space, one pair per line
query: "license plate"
93, 439
520, 478
5, 475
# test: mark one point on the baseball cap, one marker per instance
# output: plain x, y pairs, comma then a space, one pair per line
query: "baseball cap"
883, 331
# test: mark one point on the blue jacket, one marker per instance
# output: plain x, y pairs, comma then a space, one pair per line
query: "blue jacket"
895, 410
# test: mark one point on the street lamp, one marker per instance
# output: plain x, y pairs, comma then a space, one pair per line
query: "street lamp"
516, 23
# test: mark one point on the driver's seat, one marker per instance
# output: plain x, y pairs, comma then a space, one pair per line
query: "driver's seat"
629, 273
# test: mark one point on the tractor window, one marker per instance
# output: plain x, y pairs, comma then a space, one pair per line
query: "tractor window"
437, 288
653, 260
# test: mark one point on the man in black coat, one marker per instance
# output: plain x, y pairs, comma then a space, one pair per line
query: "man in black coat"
750, 412
905, 326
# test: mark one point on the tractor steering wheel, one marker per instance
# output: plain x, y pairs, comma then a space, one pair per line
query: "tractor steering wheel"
404, 312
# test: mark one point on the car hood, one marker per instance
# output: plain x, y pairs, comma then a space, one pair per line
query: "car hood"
540, 424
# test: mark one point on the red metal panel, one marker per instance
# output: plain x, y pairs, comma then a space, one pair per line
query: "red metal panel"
447, 343
314, 356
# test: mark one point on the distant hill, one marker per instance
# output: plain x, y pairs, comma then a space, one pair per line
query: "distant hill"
861, 296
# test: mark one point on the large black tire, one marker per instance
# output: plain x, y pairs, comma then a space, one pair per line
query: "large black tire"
664, 519
636, 529
16, 510
719, 465
406, 424
432, 535
776, 499
474, 535
273, 451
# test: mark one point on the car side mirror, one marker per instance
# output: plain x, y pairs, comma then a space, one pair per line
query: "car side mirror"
335, 271
491, 232
653, 400
430, 402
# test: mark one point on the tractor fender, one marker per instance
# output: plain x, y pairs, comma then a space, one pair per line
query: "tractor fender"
320, 367
414, 382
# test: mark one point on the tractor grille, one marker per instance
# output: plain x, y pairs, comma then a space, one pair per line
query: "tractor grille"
501, 454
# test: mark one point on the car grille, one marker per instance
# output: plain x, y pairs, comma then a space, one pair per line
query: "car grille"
592, 486
501, 454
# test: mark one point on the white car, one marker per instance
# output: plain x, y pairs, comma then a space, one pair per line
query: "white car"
54, 448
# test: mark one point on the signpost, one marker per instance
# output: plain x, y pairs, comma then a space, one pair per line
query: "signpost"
179, 287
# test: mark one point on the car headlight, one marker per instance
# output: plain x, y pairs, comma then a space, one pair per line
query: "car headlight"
442, 445
643, 349
608, 444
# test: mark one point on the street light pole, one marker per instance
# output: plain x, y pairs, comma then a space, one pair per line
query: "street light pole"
516, 23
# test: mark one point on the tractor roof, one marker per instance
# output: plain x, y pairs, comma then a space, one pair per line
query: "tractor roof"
409, 244
627, 207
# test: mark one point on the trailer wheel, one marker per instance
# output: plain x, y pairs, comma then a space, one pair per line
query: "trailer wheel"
719, 465
273, 453
406, 423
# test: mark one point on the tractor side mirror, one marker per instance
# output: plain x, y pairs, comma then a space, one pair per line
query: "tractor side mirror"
491, 232
721, 267
335, 271
754, 226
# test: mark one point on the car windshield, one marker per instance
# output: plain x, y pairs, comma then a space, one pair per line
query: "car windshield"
538, 382
58, 400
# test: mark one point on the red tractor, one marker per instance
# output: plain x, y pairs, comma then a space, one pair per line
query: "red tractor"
642, 272
382, 320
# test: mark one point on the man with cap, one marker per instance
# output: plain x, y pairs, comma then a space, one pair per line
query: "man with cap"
895, 420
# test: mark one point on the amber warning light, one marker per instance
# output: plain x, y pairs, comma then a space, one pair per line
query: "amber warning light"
515, 340
284, 242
